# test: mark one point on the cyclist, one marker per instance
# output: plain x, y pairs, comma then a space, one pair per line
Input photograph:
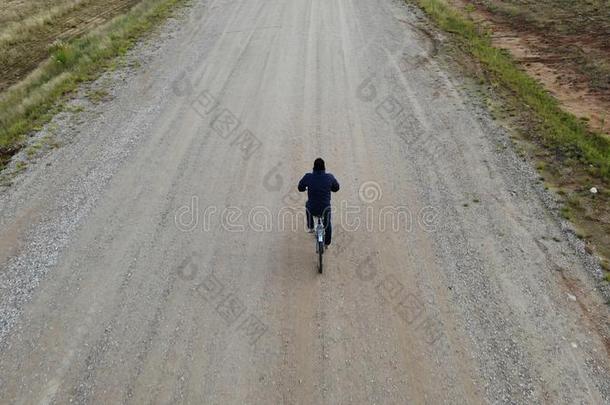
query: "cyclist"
319, 185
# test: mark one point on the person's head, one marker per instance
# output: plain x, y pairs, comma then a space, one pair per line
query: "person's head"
318, 165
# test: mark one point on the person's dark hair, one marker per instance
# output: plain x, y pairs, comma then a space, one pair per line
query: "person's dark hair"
318, 165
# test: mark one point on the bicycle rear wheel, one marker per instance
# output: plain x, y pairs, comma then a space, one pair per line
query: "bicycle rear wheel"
320, 253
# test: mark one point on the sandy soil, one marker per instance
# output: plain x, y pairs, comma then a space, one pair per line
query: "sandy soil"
146, 259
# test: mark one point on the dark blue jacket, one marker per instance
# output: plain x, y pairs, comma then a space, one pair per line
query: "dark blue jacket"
318, 184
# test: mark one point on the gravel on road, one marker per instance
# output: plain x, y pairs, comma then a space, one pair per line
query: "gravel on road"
159, 254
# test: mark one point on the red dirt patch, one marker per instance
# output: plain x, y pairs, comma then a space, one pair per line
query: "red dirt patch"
548, 59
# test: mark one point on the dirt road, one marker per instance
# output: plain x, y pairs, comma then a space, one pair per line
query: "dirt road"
151, 258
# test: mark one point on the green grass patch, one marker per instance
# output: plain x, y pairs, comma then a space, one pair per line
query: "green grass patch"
557, 130
566, 212
31, 103
20, 166
97, 96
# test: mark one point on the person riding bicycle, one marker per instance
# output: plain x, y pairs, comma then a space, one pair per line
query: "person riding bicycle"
319, 185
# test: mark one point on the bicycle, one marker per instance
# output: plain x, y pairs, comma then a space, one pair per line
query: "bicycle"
319, 232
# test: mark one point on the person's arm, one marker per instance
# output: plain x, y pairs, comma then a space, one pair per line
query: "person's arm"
334, 186
303, 184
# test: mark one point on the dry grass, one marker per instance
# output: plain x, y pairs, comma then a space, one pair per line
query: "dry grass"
20, 22
32, 102
557, 17
26, 42
16, 10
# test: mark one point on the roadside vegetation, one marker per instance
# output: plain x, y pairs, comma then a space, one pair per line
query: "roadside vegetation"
29, 30
563, 44
558, 17
578, 31
82, 37
572, 158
